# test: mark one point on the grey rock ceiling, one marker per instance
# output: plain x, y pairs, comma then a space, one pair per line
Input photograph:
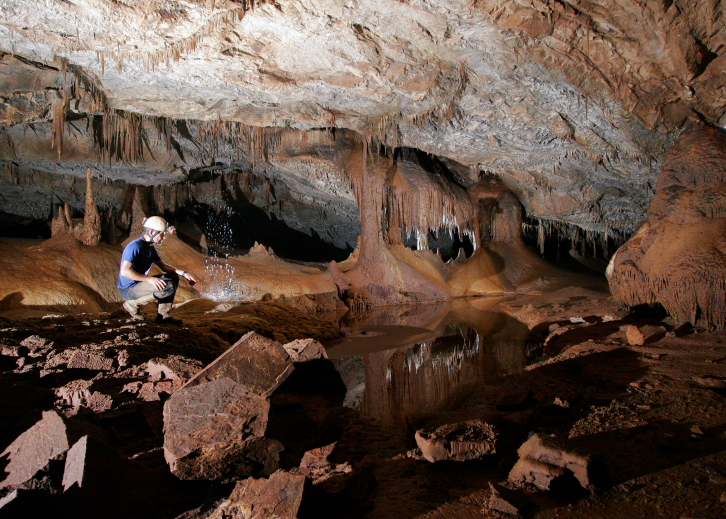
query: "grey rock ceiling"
573, 103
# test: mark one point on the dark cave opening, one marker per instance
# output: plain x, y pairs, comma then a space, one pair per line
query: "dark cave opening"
569, 246
14, 226
235, 230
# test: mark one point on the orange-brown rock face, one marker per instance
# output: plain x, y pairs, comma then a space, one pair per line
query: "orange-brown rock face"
678, 257
379, 276
503, 264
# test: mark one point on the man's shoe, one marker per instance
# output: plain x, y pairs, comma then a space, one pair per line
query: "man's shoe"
160, 319
133, 311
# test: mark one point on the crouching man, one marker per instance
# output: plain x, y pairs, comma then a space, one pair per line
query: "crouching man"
136, 286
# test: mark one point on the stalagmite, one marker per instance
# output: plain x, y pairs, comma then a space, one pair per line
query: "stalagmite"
501, 263
91, 230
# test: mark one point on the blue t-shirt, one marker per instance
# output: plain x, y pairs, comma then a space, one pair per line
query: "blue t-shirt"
141, 254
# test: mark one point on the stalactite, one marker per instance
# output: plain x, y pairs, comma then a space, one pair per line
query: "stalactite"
176, 50
121, 137
591, 242
257, 143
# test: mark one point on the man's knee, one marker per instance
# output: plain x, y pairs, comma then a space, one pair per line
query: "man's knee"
172, 282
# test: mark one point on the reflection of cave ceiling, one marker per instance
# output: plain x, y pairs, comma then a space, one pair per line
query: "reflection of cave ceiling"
573, 103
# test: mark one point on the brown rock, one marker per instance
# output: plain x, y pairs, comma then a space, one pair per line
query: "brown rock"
258, 363
86, 359
303, 350
77, 393
507, 501
535, 472
8, 498
542, 459
148, 393
676, 257
710, 381
37, 346
211, 416
13, 351
278, 497
240, 458
58, 358
75, 464
33, 449
462, 441
317, 458
96, 469
173, 367
634, 335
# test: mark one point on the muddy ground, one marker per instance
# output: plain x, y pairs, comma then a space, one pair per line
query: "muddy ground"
654, 415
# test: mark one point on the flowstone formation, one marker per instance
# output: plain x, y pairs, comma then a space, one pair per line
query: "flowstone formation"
678, 257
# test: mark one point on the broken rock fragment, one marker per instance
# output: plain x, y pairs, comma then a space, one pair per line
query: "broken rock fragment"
258, 363
278, 497
303, 350
543, 459
33, 449
317, 458
508, 501
215, 416
37, 346
77, 393
173, 367
88, 359
461, 441
634, 336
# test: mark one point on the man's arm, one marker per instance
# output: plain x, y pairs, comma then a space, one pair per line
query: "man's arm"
179, 272
127, 271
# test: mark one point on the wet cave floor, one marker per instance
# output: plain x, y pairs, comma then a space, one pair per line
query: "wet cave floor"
565, 364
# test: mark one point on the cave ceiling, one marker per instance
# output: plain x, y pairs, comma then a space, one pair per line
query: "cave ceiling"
572, 103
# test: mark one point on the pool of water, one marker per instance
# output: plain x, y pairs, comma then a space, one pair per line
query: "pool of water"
403, 364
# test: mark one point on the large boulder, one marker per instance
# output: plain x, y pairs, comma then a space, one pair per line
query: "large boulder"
206, 425
678, 257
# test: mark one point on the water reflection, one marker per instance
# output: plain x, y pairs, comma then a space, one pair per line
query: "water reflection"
404, 364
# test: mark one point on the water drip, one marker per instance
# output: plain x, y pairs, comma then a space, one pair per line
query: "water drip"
220, 270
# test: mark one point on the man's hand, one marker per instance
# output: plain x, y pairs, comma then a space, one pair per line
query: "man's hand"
190, 278
159, 284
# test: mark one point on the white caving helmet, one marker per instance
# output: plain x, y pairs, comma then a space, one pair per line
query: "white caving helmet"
155, 223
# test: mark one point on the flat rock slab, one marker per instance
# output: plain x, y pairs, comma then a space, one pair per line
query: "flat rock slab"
93, 360
461, 441
211, 415
258, 363
33, 449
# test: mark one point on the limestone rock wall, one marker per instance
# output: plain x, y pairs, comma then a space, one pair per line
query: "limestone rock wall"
573, 104
678, 257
